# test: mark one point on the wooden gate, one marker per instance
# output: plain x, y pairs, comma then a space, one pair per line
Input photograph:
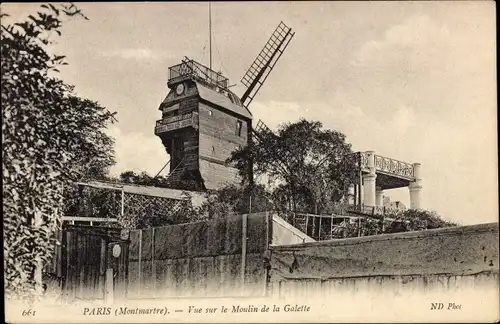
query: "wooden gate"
94, 263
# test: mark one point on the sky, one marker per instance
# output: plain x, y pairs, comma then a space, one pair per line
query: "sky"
414, 81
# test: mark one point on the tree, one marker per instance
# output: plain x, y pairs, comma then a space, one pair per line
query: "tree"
417, 220
234, 200
145, 179
133, 178
50, 137
311, 166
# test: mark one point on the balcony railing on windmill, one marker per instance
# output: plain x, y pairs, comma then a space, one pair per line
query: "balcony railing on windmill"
190, 68
173, 123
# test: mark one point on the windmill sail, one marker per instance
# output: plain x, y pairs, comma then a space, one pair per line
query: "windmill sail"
260, 128
285, 158
258, 72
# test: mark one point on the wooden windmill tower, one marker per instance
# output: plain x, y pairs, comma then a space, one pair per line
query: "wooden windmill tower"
203, 121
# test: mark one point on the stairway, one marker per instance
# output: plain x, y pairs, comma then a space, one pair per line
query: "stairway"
301, 222
338, 230
175, 175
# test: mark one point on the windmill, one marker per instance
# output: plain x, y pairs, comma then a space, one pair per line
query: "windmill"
203, 121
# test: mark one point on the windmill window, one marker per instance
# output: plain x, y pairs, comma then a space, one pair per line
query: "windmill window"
239, 125
210, 113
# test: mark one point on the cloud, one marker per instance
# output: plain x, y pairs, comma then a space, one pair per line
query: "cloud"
136, 54
401, 41
138, 152
403, 120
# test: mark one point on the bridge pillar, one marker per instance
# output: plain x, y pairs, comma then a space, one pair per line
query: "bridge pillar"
351, 194
378, 196
415, 188
369, 181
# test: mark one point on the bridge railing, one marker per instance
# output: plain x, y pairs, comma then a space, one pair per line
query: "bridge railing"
386, 165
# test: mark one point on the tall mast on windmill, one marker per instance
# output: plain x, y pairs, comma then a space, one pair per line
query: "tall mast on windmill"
210, 32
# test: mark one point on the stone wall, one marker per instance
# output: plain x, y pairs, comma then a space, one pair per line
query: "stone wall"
457, 257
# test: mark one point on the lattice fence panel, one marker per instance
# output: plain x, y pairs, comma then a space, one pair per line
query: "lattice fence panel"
138, 207
99, 202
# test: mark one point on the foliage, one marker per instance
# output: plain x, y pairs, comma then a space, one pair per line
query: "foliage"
49, 138
406, 221
234, 200
311, 166
417, 220
145, 179
142, 178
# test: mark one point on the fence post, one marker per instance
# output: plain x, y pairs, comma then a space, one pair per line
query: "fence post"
243, 251
102, 268
140, 263
319, 229
109, 286
64, 262
153, 263
122, 209
267, 258
359, 226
